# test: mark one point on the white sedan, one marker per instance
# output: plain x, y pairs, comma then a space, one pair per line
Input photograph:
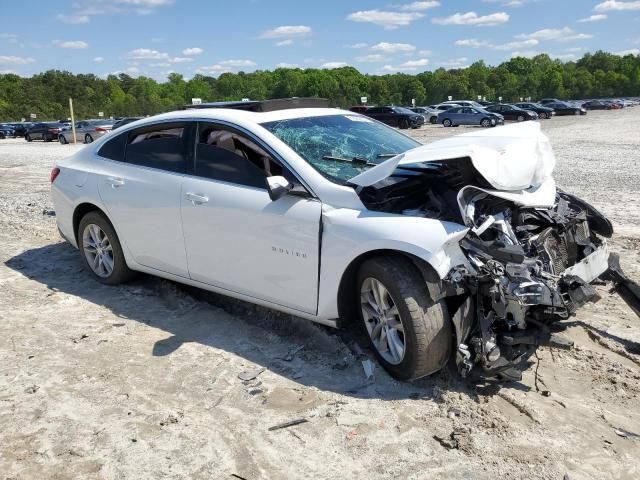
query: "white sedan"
460, 249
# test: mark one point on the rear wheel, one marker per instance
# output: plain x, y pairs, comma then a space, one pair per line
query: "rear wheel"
62, 139
410, 334
101, 250
576, 112
544, 115
28, 138
433, 120
88, 138
447, 123
403, 124
520, 118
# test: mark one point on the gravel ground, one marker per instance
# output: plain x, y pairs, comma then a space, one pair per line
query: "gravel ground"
141, 381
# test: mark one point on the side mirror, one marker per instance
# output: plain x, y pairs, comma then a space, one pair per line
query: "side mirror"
278, 187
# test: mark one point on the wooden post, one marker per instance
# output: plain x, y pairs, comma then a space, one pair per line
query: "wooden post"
73, 120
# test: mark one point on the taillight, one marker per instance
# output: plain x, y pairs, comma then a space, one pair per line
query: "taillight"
54, 174
54, 130
101, 129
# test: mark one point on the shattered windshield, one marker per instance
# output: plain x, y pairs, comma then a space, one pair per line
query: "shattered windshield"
341, 146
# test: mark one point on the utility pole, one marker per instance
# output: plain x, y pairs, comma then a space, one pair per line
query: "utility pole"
73, 120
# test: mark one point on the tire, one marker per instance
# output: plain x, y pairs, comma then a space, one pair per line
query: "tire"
433, 120
403, 124
485, 122
119, 272
28, 138
520, 118
576, 112
422, 327
544, 115
88, 138
447, 123
62, 140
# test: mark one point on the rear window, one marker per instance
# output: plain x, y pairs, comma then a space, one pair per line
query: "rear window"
113, 149
161, 146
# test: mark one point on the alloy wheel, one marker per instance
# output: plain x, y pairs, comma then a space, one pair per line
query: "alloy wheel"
97, 250
382, 320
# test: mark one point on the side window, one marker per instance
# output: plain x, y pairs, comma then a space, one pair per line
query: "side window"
226, 155
161, 146
113, 149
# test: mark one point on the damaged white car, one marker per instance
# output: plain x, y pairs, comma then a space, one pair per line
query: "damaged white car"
462, 249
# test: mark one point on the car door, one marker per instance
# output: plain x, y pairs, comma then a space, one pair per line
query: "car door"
236, 237
80, 128
140, 182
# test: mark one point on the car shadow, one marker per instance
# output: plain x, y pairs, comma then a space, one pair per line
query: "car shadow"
304, 352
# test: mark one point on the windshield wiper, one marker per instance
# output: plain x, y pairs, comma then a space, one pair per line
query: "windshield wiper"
358, 160
387, 155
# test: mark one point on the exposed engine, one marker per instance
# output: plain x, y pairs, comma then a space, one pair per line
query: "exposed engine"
528, 267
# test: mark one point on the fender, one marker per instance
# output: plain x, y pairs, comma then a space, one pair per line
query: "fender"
348, 234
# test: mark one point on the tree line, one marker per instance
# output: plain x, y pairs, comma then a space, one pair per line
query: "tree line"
597, 75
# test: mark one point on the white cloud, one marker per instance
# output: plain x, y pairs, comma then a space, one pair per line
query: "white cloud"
146, 54
180, 60
238, 63
146, 3
12, 60
160, 65
631, 51
472, 18
359, 45
98, 59
593, 18
424, 53
8, 72
190, 52
9, 37
510, 3
286, 31
425, 5
226, 66
531, 42
393, 47
462, 62
617, 5
286, 65
408, 66
73, 19
560, 35
331, 65
374, 57
388, 20
473, 43
77, 44
284, 43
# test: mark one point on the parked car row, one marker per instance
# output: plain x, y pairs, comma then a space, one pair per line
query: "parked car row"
87, 131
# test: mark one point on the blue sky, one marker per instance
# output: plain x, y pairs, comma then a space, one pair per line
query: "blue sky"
155, 37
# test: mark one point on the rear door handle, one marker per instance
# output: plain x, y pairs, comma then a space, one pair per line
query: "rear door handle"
115, 182
196, 198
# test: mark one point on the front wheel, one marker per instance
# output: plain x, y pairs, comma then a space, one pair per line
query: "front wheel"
520, 118
88, 138
403, 124
101, 250
446, 122
433, 120
62, 140
411, 335
485, 122
28, 138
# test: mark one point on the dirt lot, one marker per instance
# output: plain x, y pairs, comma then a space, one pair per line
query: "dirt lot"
141, 381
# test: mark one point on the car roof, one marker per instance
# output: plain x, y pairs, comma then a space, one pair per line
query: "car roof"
233, 115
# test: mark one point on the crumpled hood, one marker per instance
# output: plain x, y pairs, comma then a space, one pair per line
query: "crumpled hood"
511, 158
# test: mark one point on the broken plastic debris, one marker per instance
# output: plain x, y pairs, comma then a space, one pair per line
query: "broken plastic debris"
248, 376
369, 367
